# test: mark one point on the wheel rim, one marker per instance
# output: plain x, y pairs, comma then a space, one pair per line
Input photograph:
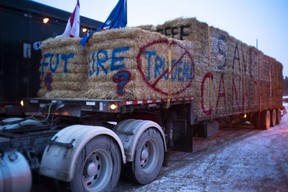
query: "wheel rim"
148, 156
97, 170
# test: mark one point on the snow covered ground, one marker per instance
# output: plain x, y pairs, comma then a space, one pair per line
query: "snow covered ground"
236, 159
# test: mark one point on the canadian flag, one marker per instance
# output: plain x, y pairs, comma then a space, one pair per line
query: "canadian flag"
73, 25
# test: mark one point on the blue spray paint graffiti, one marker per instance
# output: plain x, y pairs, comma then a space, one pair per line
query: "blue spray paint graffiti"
181, 72
102, 61
121, 78
53, 66
182, 69
48, 81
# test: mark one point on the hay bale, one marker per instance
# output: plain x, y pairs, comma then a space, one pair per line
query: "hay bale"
59, 94
221, 73
132, 63
147, 27
63, 68
228, 73
188, 29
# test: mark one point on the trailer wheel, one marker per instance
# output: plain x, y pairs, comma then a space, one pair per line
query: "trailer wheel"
265, 120
148, 159
256, 120
98, 166
273, 117
278, 116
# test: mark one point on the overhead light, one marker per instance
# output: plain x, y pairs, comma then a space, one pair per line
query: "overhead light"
22, 103
45, 20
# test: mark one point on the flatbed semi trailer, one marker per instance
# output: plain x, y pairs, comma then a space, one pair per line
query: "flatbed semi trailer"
144, 93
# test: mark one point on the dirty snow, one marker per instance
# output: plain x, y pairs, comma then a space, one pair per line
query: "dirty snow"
236, 159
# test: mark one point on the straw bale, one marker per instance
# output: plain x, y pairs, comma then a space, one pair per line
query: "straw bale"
73, 58
97, 75
111, 35
187, 29
64, 85
221, 73
109, 49
106, 90
229, 71
41, 92
70, 77
73, 86
117, 37
146, 63
147, 27
70, 68
65, 42
75, 49
61, 94
63, 67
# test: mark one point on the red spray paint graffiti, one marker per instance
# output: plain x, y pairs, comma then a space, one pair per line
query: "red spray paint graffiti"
182, 69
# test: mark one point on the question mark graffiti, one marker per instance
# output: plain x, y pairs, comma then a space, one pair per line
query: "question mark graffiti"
121, 78
48, 81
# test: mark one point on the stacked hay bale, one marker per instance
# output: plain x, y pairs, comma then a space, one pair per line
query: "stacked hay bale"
133, 63
147, 27
191, 30
228, 73
63, 68
213, 55
277, 80
222, 74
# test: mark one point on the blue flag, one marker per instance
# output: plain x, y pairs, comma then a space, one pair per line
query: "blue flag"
116, 19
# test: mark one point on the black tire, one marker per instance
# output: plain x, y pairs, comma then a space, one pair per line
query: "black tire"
98, 166
265, 120
255, 120
171, 117
148, 158
278, 116
273, 117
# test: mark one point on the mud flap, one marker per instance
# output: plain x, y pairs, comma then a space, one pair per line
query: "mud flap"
183, 136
